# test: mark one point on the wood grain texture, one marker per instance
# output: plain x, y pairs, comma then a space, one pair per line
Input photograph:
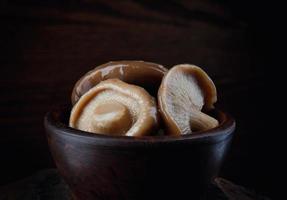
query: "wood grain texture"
46, 46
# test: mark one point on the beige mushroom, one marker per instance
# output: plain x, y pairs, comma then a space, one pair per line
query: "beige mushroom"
145, 74
184, 91
116, 108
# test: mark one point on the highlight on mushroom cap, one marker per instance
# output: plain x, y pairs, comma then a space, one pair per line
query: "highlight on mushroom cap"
145, 74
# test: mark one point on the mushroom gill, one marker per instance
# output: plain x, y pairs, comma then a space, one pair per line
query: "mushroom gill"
145, 74
116, 108
184, 91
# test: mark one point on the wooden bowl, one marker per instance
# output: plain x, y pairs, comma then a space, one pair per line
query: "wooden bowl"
118, 167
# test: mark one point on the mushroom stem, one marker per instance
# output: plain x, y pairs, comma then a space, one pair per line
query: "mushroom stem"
200, 121
111, 118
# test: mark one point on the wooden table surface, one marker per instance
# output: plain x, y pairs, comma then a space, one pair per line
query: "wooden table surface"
48, 185
45, 47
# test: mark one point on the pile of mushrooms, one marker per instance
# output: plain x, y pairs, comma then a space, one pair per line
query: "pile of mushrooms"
119, 98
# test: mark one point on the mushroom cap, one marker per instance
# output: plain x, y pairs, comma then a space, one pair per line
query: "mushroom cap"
184, 91
116, 108
145, 74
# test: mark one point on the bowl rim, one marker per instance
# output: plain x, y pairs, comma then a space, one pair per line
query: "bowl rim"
53, 123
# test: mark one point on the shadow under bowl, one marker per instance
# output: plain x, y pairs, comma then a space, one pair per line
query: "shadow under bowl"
118, 167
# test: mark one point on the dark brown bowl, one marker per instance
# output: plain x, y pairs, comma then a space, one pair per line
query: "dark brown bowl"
118, 167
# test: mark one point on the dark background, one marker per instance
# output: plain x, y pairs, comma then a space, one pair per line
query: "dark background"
45, 46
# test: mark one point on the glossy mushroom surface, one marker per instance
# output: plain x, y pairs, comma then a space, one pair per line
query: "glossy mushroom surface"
184, 91
114, 107
145, 74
